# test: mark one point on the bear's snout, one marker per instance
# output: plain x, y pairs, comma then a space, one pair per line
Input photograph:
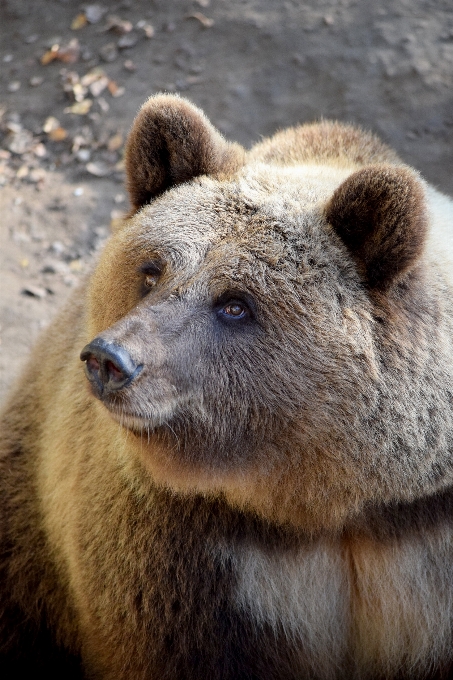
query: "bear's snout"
108, 366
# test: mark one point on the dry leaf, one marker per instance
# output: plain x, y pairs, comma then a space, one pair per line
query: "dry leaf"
114, 89
50, 124
79, 108
58, 134
118, 25
204, 20
115, 142
76, 265
22, 172
98, 86
68, 54
50, 55
79, 22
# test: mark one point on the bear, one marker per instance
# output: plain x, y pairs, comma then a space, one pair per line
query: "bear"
230, 455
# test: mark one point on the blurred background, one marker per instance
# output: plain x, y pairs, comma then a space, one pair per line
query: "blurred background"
73, 75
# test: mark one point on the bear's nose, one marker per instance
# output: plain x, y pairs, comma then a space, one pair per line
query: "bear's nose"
108, 367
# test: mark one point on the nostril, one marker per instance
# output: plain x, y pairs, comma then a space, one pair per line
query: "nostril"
114, 372
93, 364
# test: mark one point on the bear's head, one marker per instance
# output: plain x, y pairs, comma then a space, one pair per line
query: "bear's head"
260, 328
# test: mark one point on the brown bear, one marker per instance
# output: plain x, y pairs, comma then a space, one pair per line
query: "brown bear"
256, 480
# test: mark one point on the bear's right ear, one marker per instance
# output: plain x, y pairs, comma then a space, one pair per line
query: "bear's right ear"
171, 142
380, 214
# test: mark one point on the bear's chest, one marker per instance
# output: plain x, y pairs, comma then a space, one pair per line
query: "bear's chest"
368, 608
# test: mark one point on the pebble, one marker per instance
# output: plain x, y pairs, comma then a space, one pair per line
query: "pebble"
108, 52
127, 41
35, 291
94, 13
98, 169
83, 155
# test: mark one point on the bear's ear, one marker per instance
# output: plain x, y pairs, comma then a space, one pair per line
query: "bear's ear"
171, 142
380, 214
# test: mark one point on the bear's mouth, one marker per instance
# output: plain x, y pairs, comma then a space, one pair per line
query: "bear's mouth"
141, 423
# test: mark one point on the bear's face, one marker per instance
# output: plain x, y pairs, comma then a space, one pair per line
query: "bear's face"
242, 309
208, 297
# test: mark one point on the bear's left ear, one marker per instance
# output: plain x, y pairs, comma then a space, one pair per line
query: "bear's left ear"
171, 142
380, 214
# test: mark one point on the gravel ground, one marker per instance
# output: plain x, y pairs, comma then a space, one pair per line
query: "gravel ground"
73, 75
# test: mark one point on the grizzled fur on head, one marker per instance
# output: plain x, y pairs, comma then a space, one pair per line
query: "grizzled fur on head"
291, 410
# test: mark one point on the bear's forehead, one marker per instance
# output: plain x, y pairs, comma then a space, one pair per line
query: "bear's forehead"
270, 214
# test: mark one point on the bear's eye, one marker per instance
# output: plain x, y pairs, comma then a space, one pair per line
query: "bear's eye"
233, 309
151, 272
150, 280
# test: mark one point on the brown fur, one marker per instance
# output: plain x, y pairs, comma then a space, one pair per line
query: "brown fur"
170, 143
380, 214
269, 497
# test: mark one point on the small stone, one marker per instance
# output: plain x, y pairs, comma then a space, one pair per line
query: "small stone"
57, 247
94, 13
8, 58
37, 175
103, 104
83, 155
98, 169
30, 39
13, 86
40, 150
35, 81
328, 20
98, 86
148, 29
127, 41
20, 142
35, 291
129, 65
78, 191
108, 52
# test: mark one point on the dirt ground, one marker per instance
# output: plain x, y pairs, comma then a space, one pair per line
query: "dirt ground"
72, 77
